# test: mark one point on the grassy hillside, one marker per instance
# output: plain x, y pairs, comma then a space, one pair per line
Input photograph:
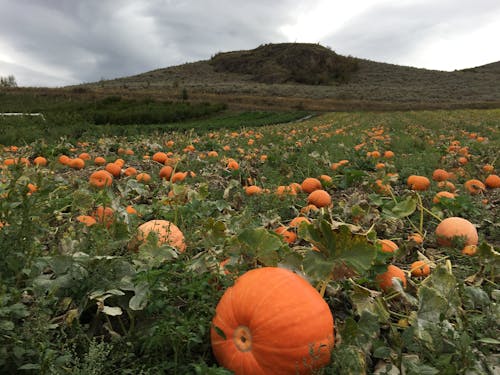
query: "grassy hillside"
265, 78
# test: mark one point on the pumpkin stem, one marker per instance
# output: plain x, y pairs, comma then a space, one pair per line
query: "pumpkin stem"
242, 338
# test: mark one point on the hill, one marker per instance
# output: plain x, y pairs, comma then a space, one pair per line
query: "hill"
309, 76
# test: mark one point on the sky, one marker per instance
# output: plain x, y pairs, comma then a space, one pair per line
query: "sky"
56, 43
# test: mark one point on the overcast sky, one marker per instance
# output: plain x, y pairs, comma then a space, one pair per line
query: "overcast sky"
62, 42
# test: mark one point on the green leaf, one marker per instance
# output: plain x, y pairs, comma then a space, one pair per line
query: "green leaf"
140, 299
371, 301
263, 244
402, 209
337, 248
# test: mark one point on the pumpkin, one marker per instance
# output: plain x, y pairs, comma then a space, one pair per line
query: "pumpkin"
319, 198
420, 268
474, 186
453, 227
99, 160
297, 220
418, 182
167, 233
143, 177
179, 176
160, 157
443, 194
104, 215
288, 236
388, 246
77, 163
272, 321
114, 169
310, 184
101, 179
40, 160
252, 190
86, 220
492, 181
440, 175
130, 171
166, 172
385, 279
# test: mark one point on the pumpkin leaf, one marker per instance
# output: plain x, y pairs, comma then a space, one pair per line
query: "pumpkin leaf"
337, 248
220, 332
262, 244
402, 209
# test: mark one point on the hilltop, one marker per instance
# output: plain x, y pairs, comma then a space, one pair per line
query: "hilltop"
310, 76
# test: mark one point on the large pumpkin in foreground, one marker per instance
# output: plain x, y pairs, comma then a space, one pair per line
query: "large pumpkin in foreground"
272, 321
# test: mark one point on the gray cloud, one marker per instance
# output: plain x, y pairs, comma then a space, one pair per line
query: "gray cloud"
395, 31
58, 42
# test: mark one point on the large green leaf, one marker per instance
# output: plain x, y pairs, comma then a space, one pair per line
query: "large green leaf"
261, 244
338, 248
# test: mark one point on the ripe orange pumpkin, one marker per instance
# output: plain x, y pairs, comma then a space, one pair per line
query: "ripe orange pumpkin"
442, 194
143, 177
101, 179
253, 190
320, 198
114, 169
77, 163
388, 246
420, 268
179, 176
310, 184
167, 233
287, 235
86, 220
272, 321
440, 175
160, 157
453, 227
385, 279
166, 172
99, 160
418, 182
40, 160
492, 181
474, 186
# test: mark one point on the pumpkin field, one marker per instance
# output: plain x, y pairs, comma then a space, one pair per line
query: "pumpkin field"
345, 243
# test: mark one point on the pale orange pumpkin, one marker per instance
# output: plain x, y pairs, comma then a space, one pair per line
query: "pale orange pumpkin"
454, 227
272, 322
166, 232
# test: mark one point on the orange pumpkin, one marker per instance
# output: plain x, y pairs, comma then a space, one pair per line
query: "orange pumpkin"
40, 160
492, 181
320, 198
160, 157
453, 227
77, 163
310, 184
287, 235
143, 177
418, 182
101, 179
442, 194
388, 246
114, 169
440, 175
167, 233
272, 321
474, 186
385, 279
420, 268
252, 190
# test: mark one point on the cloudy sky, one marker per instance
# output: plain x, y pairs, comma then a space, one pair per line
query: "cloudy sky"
62, 42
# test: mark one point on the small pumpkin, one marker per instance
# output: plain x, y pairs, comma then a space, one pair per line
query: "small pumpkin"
474, 186
319, 198
420, 268
419, 183
385, 279
310, 184
492, 181
100, 179
272, 321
